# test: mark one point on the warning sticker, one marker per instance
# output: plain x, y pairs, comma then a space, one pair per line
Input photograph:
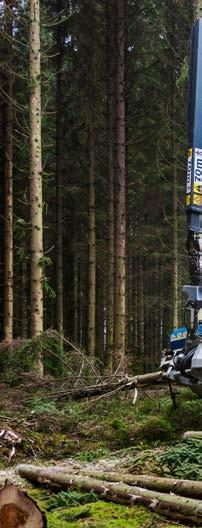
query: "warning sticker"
197, 199
198, 165
189, 170
188, 199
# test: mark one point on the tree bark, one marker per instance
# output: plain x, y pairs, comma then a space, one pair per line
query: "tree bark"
141, 332
176, 507
59, 165
110, 30
185, 488
81, 294
120, 213
75, 294
100, 305
173, 51
36, 176
175, 245
135, 315
160, 306
8, 171
91, 246
24, 329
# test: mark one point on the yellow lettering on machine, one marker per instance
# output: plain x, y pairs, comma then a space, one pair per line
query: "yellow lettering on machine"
188, 199
189, 152
198, 188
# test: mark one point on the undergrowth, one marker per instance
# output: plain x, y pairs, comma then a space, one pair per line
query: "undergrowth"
144, 439
19, 356
183, 460
56, 429
70, 499
94, 513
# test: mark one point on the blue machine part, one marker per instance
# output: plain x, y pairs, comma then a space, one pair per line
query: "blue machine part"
178, 338
199, 330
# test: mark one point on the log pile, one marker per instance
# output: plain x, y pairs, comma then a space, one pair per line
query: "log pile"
185, 488
126, 489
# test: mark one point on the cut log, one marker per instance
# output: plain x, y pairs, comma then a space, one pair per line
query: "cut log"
196, 435
18, 510
179, 508
185, 488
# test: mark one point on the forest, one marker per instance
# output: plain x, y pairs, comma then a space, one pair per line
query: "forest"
93, 139
93, 110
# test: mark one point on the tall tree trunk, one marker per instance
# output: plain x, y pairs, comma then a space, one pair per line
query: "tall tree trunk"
141, 315
174, 174
81, 294
75, 295
135, 295
59, 164
110, 29
129, 303
100, 302
8, 172
24, 332
146, 320
120, 272
160, 305
36, 175
91, 246
175, 247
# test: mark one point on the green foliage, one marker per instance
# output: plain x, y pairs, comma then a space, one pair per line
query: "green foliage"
96, 514
121, 432
40, 406
70, 498
50, 292
156, 428
188, 413
118, 424
46, 262
91, 455
183, 460
184, 73
19, 356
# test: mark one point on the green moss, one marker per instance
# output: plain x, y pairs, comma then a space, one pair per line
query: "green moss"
98, 515
156, 428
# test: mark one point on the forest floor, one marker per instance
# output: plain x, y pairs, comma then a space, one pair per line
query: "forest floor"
106, 433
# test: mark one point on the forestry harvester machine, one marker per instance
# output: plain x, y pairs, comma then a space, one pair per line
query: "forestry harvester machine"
182, 362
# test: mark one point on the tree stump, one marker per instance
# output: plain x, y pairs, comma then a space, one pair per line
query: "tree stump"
17, 510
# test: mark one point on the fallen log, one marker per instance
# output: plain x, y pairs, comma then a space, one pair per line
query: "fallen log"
110, 387
185, 488
195, 435
179, 508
